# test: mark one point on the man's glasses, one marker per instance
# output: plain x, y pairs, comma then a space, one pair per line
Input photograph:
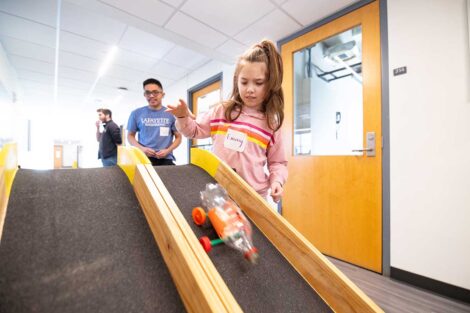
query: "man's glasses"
154, 93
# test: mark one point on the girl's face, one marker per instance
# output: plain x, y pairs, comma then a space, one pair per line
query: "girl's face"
252, 84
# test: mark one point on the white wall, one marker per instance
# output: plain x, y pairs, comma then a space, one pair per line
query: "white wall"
8, 86
180, 90
430, 139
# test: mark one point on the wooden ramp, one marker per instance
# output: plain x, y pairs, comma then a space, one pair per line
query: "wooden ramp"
71, 240
199, 279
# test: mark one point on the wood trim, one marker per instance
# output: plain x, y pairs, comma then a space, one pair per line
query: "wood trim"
199, 255
197, 292
205, 90
341, 294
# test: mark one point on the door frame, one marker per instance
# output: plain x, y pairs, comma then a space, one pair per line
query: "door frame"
385, 111
219, 77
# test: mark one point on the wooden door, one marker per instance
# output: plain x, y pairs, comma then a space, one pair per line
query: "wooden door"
334, 195
58, 156
209, 96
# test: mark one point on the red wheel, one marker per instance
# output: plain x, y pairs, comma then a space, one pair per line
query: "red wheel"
199, 216
206, 243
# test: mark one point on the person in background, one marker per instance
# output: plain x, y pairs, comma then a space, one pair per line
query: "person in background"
158, 136
109, 139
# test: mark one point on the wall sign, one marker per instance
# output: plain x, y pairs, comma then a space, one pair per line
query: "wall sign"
399, 71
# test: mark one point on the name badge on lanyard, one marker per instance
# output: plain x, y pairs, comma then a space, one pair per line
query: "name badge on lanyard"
235, 140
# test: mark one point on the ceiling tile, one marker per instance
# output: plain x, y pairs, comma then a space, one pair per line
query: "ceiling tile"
34, 88
229, 16
72, 60
22, 63
112, 84
155, 12
169, 70
27, 49
173, 3
35, 77
26, 30
185, 58
71, 91
30, 84
274, 26
83, 46
308, 11
72, 73
44, 11
74, 83
134, 60
194, 30
145, 43
232, 49
124, 73
81, 21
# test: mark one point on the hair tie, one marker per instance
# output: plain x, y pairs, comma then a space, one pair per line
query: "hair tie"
265, 49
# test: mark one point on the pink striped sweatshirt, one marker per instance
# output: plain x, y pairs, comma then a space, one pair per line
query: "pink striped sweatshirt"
246, 144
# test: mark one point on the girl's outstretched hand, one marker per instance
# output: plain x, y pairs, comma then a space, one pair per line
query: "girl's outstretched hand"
276, 191
179, 110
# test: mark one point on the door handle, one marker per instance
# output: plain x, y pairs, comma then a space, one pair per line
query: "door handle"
362, 150
370, 146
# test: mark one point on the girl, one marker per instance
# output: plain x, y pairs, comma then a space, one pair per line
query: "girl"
245, 130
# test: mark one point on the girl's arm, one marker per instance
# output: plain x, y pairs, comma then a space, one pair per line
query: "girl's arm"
190, 128
277, 165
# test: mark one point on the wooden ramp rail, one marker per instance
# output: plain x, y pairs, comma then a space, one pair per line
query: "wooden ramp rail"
8, 169
341, 294
199, 284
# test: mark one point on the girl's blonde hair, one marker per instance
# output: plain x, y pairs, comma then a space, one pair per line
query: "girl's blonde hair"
273, 104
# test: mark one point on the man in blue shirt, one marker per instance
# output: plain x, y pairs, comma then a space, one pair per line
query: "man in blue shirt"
158, 136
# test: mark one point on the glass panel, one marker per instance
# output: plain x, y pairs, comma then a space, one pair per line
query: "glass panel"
328, 117
204, 104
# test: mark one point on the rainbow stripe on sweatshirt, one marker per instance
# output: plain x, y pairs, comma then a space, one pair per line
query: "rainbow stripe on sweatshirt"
254, 133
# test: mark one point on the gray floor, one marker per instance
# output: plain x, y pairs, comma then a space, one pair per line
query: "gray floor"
395, 296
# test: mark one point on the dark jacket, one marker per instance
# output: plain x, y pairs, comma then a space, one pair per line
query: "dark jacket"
109, 139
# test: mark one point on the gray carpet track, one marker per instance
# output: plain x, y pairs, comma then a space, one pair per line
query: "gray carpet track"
77, 241
272, 285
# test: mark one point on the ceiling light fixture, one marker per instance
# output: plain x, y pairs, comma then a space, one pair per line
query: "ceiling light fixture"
56, 62
107, 61
102, 70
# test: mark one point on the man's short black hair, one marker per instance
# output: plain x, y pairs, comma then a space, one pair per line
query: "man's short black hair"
153, 81
105, 112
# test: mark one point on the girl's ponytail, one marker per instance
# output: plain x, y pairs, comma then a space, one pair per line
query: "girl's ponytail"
274, 102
